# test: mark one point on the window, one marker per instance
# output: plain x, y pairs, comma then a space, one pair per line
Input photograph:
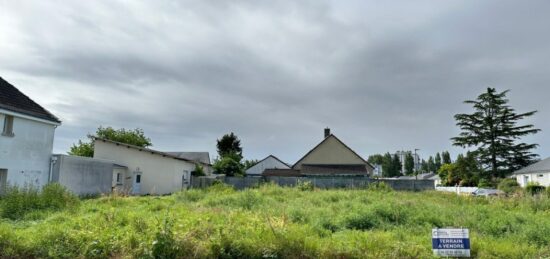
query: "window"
8, 126
118, 178
138, 178
541, 175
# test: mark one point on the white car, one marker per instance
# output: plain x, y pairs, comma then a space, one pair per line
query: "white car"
487, 192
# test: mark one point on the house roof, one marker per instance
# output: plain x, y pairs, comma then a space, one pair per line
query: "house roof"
270, 156
339, 169
540, 166
203, 157
337, 139
164, 154
13, 100
281, 172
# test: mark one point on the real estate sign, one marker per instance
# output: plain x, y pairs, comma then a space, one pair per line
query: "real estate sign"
451, 242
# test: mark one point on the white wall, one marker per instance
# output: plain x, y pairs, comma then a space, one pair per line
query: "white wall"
268, 163
159, 175
542, 178
27, 155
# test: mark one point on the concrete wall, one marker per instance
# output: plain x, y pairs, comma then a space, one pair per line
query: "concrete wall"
268, 163
83, 175
159, 174
26, 156
330, 151
322, 182
542, 178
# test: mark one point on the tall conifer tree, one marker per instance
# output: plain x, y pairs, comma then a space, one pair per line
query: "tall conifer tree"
493, 130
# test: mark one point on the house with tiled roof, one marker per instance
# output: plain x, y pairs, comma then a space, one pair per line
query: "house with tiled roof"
26, 138
331, 157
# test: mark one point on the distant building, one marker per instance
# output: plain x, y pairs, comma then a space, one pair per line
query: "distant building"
143, 171
403, 154
26, 139
270, 162
329, 158
538, 173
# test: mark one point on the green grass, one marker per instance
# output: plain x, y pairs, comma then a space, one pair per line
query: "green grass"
275, 222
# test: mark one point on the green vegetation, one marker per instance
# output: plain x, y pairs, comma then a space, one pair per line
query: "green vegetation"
28, 202
134, 137
276, 222
493, 131
230, 156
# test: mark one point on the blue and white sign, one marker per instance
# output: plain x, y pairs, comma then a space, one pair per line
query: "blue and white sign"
451, 242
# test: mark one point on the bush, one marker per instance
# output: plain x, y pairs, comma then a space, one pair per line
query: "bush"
380, 186
534, 188
484, 183
508, 185
17, 202
305, 186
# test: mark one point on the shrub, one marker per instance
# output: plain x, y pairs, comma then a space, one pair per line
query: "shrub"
56, 197
362, 221
534, 188
508, 185
305, 186
484, 183
165, 246
17, 202
380, 186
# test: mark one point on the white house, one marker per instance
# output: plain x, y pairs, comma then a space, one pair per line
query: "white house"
26, 139
536, 173
270, 162
145, 171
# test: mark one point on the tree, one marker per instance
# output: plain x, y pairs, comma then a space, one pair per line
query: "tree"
376, 159
134, 137
396, 166
229, 144
446, 157
409, 164
249, 163
424, 168
387, 165
431, 165
230, 165
464, 171
437, 161
230, 156
199, 170
493, 130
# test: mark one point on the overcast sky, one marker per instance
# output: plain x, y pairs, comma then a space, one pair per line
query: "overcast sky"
383, 75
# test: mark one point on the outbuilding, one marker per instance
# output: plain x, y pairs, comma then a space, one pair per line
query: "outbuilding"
146, 171
538, 173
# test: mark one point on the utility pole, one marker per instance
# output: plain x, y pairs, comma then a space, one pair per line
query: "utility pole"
416, 160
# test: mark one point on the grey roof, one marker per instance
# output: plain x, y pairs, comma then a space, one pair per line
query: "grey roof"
541, 166
203, 157
13, 100
164, 154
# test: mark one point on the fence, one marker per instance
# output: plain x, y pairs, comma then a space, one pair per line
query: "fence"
319, 182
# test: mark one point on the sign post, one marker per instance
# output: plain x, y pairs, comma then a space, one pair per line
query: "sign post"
451, 242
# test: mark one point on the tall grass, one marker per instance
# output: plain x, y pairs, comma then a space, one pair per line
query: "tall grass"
275, 222
18, 202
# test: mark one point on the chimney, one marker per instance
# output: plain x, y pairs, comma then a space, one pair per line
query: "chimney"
327, 132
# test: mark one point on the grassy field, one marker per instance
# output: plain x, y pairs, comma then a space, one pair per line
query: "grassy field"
275, 222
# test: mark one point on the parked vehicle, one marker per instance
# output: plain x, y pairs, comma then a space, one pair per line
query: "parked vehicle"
487, 192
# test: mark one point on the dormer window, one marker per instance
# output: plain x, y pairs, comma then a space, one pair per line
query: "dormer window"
8, 126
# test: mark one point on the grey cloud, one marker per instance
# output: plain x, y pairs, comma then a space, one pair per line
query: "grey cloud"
277, 72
